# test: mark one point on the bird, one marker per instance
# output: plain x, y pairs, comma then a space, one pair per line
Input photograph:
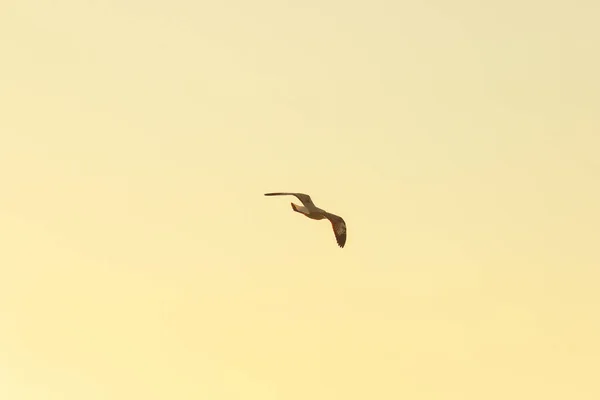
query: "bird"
311, 211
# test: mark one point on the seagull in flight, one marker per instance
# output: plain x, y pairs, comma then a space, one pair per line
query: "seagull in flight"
313, 212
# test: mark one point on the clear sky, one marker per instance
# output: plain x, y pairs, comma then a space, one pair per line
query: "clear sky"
458, 139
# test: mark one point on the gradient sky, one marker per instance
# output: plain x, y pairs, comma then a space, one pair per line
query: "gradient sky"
140, 259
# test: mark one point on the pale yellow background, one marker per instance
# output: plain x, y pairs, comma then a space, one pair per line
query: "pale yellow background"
139, 258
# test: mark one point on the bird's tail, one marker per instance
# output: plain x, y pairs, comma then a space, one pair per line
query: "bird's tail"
300, 209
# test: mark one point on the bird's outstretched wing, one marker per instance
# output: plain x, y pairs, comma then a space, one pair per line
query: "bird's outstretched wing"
339, 228
304, 198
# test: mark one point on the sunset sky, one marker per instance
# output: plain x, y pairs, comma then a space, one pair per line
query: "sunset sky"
459, 140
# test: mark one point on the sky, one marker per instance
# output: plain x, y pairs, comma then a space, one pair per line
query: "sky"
458, 140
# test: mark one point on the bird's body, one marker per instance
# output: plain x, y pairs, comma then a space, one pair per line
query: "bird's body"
309, 210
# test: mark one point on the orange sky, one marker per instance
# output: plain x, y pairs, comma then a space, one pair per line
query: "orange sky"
140, 258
